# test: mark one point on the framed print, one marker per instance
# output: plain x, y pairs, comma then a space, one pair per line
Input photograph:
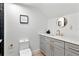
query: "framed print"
24, 19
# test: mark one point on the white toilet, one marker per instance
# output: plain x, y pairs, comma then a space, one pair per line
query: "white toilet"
24, 49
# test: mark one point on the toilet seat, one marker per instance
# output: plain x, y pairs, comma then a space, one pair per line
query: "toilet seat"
26, 52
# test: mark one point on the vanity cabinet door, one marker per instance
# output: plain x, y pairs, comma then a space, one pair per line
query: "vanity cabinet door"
58, 51
58, 48
52, 47
44, 45
48, 49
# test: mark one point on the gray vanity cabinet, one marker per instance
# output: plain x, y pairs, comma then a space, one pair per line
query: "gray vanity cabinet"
45, 45
55, 47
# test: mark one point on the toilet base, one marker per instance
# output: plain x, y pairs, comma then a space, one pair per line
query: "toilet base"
26, 52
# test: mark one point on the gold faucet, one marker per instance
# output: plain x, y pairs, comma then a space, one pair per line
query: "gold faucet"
58, 33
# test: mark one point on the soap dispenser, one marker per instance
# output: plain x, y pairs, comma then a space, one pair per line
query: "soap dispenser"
48, 31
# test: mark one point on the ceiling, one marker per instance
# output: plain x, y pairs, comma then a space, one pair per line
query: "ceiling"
53, 10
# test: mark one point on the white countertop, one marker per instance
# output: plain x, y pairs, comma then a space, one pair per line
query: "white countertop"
66, 39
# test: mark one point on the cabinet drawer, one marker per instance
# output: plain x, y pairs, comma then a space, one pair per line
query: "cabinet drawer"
68, 53
73, 51
72, 46
59, 43
42, 37
51, 40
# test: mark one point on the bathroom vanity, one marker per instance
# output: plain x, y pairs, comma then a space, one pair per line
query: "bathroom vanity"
58, 45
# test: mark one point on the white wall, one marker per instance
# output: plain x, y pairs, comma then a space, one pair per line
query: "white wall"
14, 31
73, 20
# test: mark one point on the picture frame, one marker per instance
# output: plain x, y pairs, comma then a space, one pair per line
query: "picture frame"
24, 19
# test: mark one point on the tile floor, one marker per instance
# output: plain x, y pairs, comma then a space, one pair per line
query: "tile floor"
37, 53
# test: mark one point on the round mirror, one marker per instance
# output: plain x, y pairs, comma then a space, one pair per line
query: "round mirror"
61, 22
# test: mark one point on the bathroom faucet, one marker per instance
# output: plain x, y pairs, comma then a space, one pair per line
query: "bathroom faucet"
58, 32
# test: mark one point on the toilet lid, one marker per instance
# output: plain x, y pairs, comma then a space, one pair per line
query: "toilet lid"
26, 52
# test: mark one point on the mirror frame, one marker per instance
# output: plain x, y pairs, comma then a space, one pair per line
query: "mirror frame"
61, 23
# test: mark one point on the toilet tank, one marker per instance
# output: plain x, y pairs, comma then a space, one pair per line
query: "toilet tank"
23, 44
